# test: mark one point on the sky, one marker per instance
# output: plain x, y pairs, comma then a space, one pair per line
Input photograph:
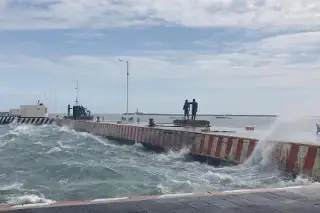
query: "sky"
232, 56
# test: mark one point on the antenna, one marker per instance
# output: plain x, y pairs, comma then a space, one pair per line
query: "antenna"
77, 90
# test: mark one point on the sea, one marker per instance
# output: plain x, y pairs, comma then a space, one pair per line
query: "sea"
43, 164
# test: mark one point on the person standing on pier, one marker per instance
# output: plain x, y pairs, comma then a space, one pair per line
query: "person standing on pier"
194, 109
186, 109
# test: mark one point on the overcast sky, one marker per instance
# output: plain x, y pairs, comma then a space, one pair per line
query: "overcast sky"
233, 56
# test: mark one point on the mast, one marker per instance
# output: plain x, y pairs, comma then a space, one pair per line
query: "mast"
77, 92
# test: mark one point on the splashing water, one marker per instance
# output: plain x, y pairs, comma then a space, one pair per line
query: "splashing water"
285, 125
262, 154
50, 163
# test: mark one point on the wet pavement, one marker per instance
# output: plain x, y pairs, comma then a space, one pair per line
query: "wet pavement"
286, 200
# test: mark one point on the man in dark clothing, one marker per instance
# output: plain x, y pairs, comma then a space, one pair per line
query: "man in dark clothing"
194, 109
186, 108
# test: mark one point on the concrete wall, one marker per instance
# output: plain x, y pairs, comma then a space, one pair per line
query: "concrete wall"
292, 157
299, 158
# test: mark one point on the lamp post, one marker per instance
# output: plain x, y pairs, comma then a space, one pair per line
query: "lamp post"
127, 63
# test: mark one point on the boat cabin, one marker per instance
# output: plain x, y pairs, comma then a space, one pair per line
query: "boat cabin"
78, 113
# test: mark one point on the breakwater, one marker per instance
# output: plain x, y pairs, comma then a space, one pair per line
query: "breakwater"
26, 120
295, 158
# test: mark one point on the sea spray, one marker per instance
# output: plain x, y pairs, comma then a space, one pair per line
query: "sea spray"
263, 148
267, 142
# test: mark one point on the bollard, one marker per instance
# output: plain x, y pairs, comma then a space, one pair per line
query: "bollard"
151, 122
249, 128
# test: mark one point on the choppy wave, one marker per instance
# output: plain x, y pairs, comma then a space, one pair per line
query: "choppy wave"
49, 163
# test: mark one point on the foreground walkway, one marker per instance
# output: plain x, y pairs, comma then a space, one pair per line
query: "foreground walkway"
286, 200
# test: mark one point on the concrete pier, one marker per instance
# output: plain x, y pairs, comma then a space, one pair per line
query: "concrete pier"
281, 200
296, 158
195, 123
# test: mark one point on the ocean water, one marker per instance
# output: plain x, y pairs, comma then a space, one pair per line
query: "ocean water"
51, 163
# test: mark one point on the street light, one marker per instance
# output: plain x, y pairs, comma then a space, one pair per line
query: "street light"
127, 63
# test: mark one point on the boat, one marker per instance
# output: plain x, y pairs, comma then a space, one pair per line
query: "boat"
134, 113
79, 112
223, 117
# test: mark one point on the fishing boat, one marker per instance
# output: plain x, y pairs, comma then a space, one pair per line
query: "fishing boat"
223, 117
79, 112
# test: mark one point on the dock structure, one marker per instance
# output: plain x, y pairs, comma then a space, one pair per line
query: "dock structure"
292, 157
279, 200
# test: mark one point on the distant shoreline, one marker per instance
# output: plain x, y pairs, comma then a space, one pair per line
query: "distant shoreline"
178, 115
217, 115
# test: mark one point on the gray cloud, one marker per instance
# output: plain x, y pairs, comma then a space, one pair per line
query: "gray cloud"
61, 14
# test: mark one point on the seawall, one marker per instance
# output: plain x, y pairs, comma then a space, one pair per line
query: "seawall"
26, 120
294, 158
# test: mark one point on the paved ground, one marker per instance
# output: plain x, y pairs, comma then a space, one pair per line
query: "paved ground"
293, 200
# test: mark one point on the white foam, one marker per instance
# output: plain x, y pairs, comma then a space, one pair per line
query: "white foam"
54, 149
30, 199
290, 187
61, 145
101, 200
32, 205
65, 129
238, 191
266, 189
13, 186
176, 195
163, 189
172, 155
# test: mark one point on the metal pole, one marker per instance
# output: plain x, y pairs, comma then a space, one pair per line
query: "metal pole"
127, 87
127, 63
